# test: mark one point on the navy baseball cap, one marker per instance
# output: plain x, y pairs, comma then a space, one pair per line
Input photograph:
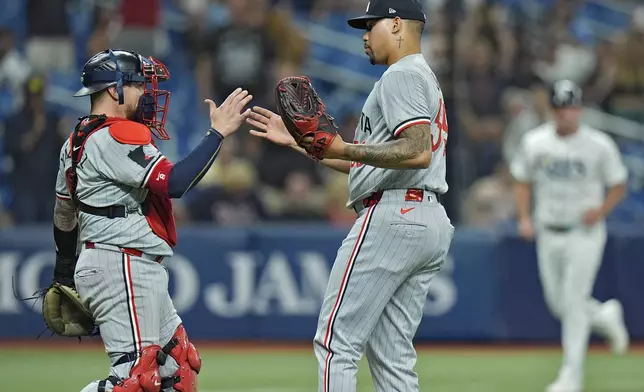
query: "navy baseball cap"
389, 9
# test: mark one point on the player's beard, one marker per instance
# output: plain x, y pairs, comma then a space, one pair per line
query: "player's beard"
372, 57
131, 112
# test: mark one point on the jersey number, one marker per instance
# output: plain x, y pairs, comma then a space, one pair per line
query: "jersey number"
441, 124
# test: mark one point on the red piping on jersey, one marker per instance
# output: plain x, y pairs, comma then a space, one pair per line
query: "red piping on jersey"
343, 287
411, 123
134, 321
157, 180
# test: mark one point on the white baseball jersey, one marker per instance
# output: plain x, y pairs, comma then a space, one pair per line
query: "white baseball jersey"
569, 174
407, 94
113, 173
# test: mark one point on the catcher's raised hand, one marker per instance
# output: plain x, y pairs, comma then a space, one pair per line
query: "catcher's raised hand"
269, 126
228, 117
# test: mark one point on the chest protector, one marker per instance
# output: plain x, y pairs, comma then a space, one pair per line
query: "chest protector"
157, 209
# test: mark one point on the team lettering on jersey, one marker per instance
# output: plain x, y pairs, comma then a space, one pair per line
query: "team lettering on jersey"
365, 127
365, 124
568, 169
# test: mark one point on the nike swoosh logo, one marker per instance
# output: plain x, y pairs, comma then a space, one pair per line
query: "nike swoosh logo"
157, 383
406, 210
76, 148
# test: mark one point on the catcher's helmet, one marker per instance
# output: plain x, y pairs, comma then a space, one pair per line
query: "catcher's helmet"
118, 67
565, 93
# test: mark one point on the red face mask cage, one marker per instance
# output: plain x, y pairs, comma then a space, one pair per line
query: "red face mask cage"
155, 116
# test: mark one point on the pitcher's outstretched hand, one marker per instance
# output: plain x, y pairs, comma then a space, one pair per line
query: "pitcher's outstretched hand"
269, 126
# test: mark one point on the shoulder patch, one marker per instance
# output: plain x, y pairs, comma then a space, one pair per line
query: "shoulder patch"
130, 132
139, 156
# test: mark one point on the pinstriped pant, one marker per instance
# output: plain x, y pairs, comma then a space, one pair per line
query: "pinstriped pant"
376, 293
129, 299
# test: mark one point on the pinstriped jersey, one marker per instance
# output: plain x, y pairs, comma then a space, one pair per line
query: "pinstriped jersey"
407, 94
113, 173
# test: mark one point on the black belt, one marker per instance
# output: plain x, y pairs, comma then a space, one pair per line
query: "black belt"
109, 211
558, 229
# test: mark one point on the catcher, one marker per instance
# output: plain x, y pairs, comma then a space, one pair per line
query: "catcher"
114, 191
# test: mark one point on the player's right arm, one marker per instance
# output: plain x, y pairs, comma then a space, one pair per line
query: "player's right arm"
521, 170
523, 197
185, 174
271, 127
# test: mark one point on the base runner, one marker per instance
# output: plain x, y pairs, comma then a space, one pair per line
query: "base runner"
566, 166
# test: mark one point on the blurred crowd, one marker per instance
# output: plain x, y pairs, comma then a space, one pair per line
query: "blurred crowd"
495, 60
507, 62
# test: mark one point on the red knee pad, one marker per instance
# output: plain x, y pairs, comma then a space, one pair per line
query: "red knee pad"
188, 359
144, 376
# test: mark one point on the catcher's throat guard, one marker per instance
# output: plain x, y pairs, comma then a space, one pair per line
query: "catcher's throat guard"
304, 115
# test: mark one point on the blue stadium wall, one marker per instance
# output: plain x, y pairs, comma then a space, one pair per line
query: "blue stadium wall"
267, 283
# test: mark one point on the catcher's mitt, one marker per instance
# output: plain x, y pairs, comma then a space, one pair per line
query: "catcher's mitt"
64, 312
305, 116
62, 308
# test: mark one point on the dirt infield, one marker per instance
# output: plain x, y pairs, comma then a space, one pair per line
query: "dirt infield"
263, 346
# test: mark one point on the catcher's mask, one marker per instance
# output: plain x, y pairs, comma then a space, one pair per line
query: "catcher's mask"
118, 67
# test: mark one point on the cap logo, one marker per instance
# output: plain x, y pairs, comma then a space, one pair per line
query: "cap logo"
562, 95
564, 90
368, 5
392, 11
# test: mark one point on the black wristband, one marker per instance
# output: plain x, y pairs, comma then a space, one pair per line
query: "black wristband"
66, 242
64, 270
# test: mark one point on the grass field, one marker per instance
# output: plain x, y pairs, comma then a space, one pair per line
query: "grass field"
68, 368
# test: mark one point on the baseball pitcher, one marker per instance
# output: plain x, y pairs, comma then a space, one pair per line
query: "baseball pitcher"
114, 194
396, 164
566, 167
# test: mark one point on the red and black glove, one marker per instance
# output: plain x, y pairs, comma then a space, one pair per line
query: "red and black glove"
305, 116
